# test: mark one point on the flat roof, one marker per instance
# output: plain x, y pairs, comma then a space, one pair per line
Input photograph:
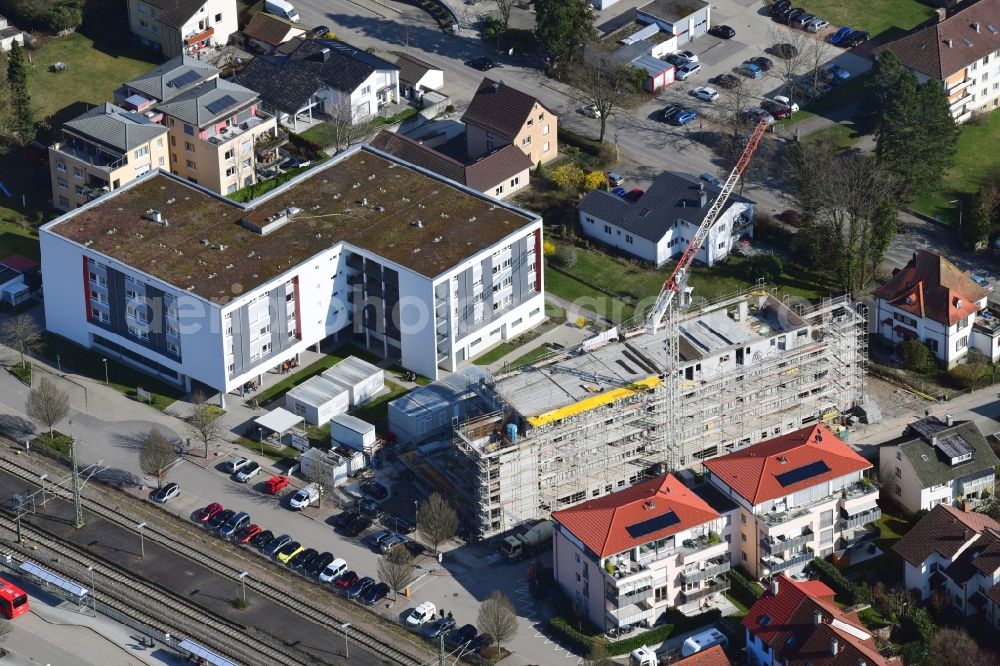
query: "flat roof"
352, 370
316, 391
363, 197
672, 10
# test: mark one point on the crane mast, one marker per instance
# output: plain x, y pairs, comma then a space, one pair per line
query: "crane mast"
665, 310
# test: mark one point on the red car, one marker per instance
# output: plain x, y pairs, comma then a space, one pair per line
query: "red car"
247, 533
345, 580
635, 194
209, 512
275, 485
792, 217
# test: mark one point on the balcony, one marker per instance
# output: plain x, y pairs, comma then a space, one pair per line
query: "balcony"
960, 102
774, 545
777, 564
233, 131
621, 599
961, 85
850, 522
714, 567
198, 36
717, 584
91, 155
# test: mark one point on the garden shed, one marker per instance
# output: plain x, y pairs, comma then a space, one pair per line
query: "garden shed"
317, 400
362, 379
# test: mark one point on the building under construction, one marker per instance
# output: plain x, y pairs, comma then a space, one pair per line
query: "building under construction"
589, 421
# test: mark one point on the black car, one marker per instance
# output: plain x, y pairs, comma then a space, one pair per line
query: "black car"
374, 594
783, 50
319, 563
722, 32
400, 525
461, 636
483, 64
793, 14
479, 642
303, 559
376, 490
779, 6
262, 539
167, 492
369, 507
856, 38
765, 64
669, 112
276, 544
438, 627
727, 81
359, 587
357, 526
344, 517
320, 30
221, 519
676, 59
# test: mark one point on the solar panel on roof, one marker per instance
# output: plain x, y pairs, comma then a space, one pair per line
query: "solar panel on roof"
221, 104
652, 525
798, 474
184, 79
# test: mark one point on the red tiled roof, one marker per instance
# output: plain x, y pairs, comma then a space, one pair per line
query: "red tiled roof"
939, 48
713, 656
270, 29
786, 623
753, 472
602, 524
933, 287
944, 530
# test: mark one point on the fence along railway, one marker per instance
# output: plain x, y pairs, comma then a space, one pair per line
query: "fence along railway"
301, 606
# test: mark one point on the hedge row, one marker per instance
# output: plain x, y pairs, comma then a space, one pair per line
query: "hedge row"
677, 624
580, 641
652, 637
851, 592
746, 591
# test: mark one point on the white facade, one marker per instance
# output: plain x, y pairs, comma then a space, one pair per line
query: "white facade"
331, 468
317, 400
380, 88
361, 379
948, 343
906, 489
212, 23
351, 431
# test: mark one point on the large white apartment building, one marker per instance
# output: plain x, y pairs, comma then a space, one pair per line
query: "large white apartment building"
191, 286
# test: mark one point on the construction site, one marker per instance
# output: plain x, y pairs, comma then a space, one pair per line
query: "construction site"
584, 422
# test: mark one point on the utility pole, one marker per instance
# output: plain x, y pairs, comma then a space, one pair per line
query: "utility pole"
77, 506
441, 649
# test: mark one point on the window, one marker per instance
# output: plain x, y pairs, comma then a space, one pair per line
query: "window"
188, 146
932, 344
79, 190
160, 162
191, 165
141, 152
63, 202
77, 172
530, 122
367, 90
545, 147
143, 24
515, 181
526, 141
231, 171
61, 167
188, 130
173, 140
173, 348
899, 473
172, 330
962, 343
229, 154
545, 130
498, 191
218, 18
963, 323
607, 228
132, 293
899, 455
231, 368
63, 185
909, 321
142, 7
159, 142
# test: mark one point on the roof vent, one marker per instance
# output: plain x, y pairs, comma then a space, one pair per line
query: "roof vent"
222, 248
834, 646
155, 217
958, 303
204, 241
438, 239
948, 42
976, 26
783, 460
992, 28
968, 42
271, 223
817, 617
419, 224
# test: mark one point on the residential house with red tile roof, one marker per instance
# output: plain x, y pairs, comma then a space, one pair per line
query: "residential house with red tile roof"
795, 624
801, 495
266, 32
956, 554
937, 461
960, 49
624, 558
499, 114
932, 300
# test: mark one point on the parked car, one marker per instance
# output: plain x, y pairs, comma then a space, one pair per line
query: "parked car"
369, 507
320, 30
682, 117
220, 519
817, 24
483, 64
667, 113
374, 594
838, 37
421, 615
392, 542
288, 551
166, 493
635, 194
781, 16
275, 485
793, 14
345, 580
247, 472
319, 563
462, 635
802, 20
344, 517
234, 525
619, 191
764, 63
401, 525
209, 512
792, 106
710, 179
856, 38
706, 93
757, 114
837, 72
378, 537
262, 539
615, 179
722, 32
675, 59
335, 571
234, 465
727, 81
357, 526
303, 558
247, 534
376, 490
359, 587
276, 544
779, 111
687, 55
590, 111
440, 626
784, 50
686, 71
982, 278
792, 217
751, 70
479, 642
779, 6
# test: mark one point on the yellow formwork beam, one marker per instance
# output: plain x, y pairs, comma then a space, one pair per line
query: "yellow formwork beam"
594, 402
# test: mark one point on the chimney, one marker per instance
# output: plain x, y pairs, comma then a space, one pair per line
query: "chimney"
703, 197
976, 26
817, 618
834, 646
862, 662
942, 13
949, 43
948, 420
496, 86
774, 587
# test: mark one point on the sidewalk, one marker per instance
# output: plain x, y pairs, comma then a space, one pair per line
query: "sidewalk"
567, 335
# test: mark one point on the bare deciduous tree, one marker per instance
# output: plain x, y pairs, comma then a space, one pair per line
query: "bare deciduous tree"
498, 618
395, 568
205, 423
437, 521
156, 455
815, 56
22, 334
47, 404
787, 69
734, 103
504, 8
956, 646
607, 86
347, 128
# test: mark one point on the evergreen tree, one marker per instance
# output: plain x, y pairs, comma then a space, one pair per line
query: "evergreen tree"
979, 222
880, 88
22, 121
563, 27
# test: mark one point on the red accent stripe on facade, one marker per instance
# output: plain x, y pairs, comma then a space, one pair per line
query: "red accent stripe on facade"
298, 319
538, 260
86, 289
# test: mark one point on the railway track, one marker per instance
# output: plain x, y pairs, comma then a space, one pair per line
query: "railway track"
300, 606
150, 604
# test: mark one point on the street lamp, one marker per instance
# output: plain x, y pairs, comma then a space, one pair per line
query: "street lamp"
260, 438
142, 543
106, 381
93, 599
347, 649
415, 509
960, 207
243, 585
59, 362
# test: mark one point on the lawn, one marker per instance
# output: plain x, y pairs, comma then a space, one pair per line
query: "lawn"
531, 356
375, 411
977, 157
276, 391
842, 136
14, 239
324, 134
884, 19
511, 345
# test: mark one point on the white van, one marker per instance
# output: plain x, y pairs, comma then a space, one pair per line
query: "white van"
283, 9
421, 614
703, 641
332, 570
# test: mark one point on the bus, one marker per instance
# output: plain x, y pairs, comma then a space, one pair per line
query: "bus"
13, 600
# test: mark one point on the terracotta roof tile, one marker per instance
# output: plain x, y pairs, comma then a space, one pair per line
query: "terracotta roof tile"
713, 656
603, 524
270, 29
933, 287
753, 472
501, 109
944, 530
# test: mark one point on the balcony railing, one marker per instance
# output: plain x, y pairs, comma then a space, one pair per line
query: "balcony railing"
961, 85
234, 131
714, 567
620, 599
776, 564
92, 156
717, 584
773, 546
861, 519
